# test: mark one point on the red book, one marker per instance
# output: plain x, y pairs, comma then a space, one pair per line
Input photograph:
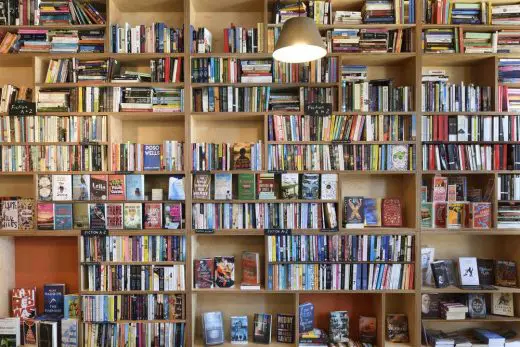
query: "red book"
23, 302
440, 210
435, 128
226, 40
392, 213
480, 215
203, 273
116, 187
153, 215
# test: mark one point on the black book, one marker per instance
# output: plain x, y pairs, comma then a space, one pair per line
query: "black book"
430, 305
440, 274
486, 271
262, 328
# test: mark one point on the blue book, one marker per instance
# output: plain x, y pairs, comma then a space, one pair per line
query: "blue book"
239, 329
489, 337
62, 216
151, 157
53, 299
372, 248
359, 276
135, 187
365, 276
371, 212
306, 311
213, 326
69, 333
176, 188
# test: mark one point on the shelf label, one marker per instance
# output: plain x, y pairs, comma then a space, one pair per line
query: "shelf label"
277, 232
204, 231
318, 109
94, 232
22, 108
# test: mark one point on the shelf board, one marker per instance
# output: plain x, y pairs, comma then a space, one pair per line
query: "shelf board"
109, 84
124, 321
461, 172
361, 231
346, 142
76, 232
130, 292
454, 59
488, 318
263, 201
492, 231
340, 262
453, 289
272, 85
61, 143
231, 232
354, 26
267, 291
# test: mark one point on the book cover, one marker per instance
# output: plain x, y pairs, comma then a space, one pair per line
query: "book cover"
329, 186
476, 306
440, 214
223, 186
468, 271
80, 187
225, 272
238, 330
69, 332
151, 157
45, 220
503, 304
338, 326
310, 186
427, 257
81, 215
62, 216
10, 332
47, 332
461, 187
116, 187
213, 327
246, 186
398, 158
486, 271
53, 298
480, 215
440, 189
25, 214
203, 272
455, 219
430, 305
135, 187
97, 216
173, 216
424, 193
29, 332
10, 214
45, 187
265, 186
98, 187
306, 315
262, 328
354, 212
372, 215
367, 329
453, 278
23, 302
132, 215
176, 188
241, 156
426, 215
452, 192
285, 326
505, 273
61, 187
290, 186
201, 186
153, 215
440, 274
250, 269
72, 306
397, 328
114, 216
391, 212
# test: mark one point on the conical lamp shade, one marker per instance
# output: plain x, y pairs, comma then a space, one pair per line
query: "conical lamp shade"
299, 42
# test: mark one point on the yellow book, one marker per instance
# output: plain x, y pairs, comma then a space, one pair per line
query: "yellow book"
145, 245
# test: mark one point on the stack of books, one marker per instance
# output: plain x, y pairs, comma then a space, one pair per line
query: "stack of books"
256, 71
379, 11
447, 12
509, 70
54, 12
508, 41
92, 41
282, 13
373, 40
354, 72
64, 41
168, 100
440, 41
33, 40
508, 215
468, 13
157, 38
85, 13
508, 99
53, 100
345, 40
347, 17
505, 14
453, 310
137, 99
478, 42
284, 100
90, 70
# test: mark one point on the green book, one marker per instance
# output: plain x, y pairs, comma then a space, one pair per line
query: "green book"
246, 186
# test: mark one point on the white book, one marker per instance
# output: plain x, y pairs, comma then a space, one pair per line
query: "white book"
61, 187
468, 271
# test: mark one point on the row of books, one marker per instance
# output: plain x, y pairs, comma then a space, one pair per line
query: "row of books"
448, 12
508, 215
212, 216
49, 329
319, 71
320, 11
113, 308
470, 128
370, 40
244, 40
112, 216
219, 272
227, 156
343, 157
101, 277
169, 334
201, 40
156, 38
360, 212
16, 213
455, 189
41, 158
168, 156
341, 128
508, 187
51, 13
470, 157
340, 248
231, 99
53, 129
138, 248
376, 95
508, 99
456, 215
340, 276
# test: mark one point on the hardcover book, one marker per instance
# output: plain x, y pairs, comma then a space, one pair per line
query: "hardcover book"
203, 272
61, 187
265, 186
10, 214
453, 278
80, 187
114, 216
44, 187
153, 215
69, 332
223, 186
176, 188
25, 214
392, 213
367, 329
426, 215
468, 271
440, 274
427, 258
29, 333
81, 215
285, 326
132, 215
306, 315
480, 215
250, 270
246, 186
53, 299
225, 272
440, 189
354, 212
135, 187
23, 302
62, 216
329, 186
47, 334
72, 306
45, 219
97, 216
213, 327
172, 215
290, 186
310, 186
262, 326
239, 330
399, 158
456, 216
430, 305
452, 192
339, 326
201, 186
10, 332
440, 213
241, 156
98, 187
116, 187
503, 304
151, 157
505, 272
372, 215
486, 271
476, 306
397, 328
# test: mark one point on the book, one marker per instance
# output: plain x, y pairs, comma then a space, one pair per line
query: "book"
290, 185
285, 326
426, 215
486, 271
69, 332
391, 212
135, 187
10, 332
81, 215
213, 328
453, 278
53, 299
29, 332
262, 325
306, 316
239, 330
476, 306
153, 215
9, 214
468, 271
132, 215
480, 215
430, 305
265, 186
47, 332
97, 217
223, 186
45, 220
372, 212
246, 187
329, 186
456, 215
44, 187
505, 273
440, 274
201, 186
98, 187
116, 187
310, 186
225, 272
489, 337
241, 156
502, 304
354, 212
62, 216
72, 306
151, 157
25, 214
250, 270
397, 328
61, 187
440, 214
80, 187
427, 257
203, 270
173, 216
440, 189
176, 188
339, 326
368, 329
23, 302
114, 216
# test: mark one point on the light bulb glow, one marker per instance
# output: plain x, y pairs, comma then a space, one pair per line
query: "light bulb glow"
299, 53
